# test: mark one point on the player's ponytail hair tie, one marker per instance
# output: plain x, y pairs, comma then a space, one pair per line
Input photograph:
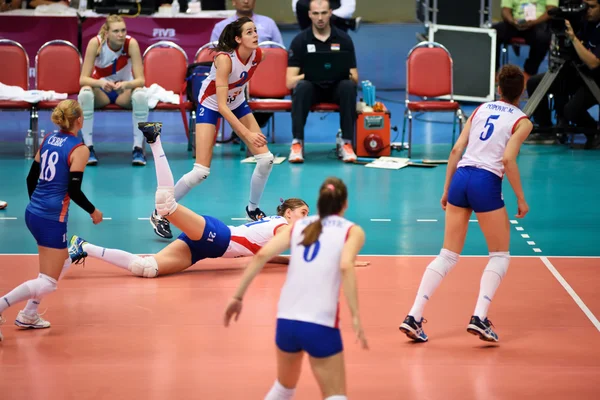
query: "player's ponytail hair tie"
330, 187
281, 200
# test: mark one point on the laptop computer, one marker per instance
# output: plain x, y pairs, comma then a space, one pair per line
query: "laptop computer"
327, 66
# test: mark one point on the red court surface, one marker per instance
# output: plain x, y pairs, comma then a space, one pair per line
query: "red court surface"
115, 336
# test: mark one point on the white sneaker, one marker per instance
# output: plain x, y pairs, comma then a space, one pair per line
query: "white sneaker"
34, 322
296, 153
347, 153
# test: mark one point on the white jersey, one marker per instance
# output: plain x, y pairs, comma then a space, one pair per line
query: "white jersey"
312, 287
492, 125
246, 240
113, 66
238, 79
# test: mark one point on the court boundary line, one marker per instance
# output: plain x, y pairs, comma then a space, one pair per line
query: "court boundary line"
588, 313
383, 255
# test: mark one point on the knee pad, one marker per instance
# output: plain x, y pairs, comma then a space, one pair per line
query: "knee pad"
164, 200
86, 100
444, 262
41, 286
146, 267
139, 103
264, 163
498, 263
196, 176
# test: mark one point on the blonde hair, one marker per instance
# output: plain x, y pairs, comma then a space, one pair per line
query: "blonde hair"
65, 114
105, 27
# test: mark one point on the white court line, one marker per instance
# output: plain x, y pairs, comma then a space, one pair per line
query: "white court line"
571, 292
519, 228
473, 220
239, 219
380, 220
525, 236
143, 219
531, 242
514, 221
11, 218
427, 220
535, 249
107, 218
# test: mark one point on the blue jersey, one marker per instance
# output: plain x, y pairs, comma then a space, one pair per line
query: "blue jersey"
50, 199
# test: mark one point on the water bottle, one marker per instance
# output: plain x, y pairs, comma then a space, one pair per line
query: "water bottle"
175, 8
41, 138
29, 144
82, 6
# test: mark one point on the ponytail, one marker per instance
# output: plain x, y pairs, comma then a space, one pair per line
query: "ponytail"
65, 114
332, 199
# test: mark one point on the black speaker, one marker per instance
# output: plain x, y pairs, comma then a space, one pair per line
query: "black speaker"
473, 13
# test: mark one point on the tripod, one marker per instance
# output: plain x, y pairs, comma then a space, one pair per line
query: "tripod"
541, 91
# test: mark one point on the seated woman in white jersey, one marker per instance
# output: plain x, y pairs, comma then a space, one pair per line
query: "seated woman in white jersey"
203, 236
113, 73
223, 94
492, 138
323, 253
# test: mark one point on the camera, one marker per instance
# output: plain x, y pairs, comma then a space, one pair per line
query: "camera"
561, 48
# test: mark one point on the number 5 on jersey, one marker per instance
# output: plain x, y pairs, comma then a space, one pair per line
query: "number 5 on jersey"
489, 124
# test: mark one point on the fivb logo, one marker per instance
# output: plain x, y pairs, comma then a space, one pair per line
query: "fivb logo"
164, 34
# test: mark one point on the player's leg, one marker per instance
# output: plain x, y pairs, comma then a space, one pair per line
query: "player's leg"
89, 99
137, 101
264, 163
458, 212
495, 225
289, 361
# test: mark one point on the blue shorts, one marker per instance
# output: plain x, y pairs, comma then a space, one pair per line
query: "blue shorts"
214, 241
317, 340
47, 233
112, 95
207, 116
476, 188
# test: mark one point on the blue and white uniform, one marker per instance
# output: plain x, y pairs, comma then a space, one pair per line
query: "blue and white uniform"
47, 213
477, 183
220, 240
308, 310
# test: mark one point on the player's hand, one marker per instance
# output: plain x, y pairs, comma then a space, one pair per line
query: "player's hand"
96, 216
522, 207
107, 86
444, 201
121, 86
569, 30
257, 139
360, 334
233, 308
362, 263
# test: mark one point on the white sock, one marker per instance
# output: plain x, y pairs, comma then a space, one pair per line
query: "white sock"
435, 272
32, 307
337, 397
264, 165
279, 392
490, 281
18, 294
164, 176
139, 113
119, 258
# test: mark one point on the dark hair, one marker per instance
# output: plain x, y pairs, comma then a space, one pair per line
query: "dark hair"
512, 82
332, 197
291, 204
227, 41
319, 1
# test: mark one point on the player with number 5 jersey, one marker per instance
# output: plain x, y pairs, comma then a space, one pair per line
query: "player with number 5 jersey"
490, 141
54, 180
222, 94
323, 251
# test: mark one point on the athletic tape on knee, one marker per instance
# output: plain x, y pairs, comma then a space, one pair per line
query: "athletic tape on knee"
41, 286
444, 262
196, 176
164, 200
264, 163
146, 267
139, 104
498, 263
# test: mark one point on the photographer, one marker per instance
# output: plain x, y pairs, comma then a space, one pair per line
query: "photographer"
572, 98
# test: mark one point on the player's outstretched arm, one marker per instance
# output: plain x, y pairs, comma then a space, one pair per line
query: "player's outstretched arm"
509, 159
